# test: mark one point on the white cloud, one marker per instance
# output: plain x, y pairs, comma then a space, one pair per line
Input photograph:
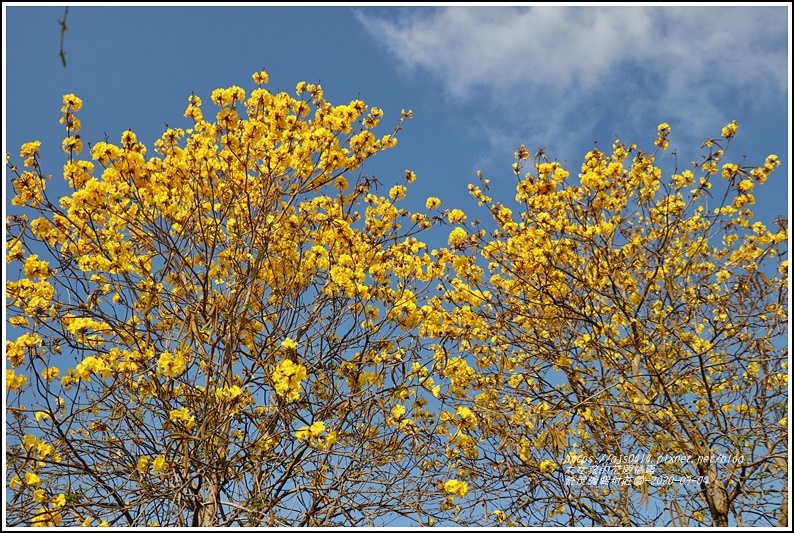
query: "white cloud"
503, 47
542, 69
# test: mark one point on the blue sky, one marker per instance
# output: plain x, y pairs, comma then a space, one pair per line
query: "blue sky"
480, 80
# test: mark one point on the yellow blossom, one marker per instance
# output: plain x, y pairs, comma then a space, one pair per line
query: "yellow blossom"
313, 434
457, 237
46, 518
13, 381
184, 417
50, 373
72, 102
729, 130
397, 192
745, 185
158, 465
30, 149
287, 377
456, 216
340, 183
143, 462
456, 488
260, 78
171, 365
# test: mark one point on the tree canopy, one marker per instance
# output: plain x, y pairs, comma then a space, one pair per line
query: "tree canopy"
246, 329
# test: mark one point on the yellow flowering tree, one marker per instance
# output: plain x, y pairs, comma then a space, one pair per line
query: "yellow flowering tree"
219, 334
621, 340
241, 330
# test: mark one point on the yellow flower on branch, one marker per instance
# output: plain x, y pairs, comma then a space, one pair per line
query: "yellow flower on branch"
287, 377
46, 518
13, 381
729, 130
456, 216
158, 465
454, 487
143, 462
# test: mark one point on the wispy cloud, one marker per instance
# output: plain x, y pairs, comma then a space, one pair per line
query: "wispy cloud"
567, 73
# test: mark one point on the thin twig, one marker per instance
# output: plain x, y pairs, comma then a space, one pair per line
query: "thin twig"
63, 31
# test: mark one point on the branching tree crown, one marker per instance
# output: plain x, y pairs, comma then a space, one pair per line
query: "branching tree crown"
241, 330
